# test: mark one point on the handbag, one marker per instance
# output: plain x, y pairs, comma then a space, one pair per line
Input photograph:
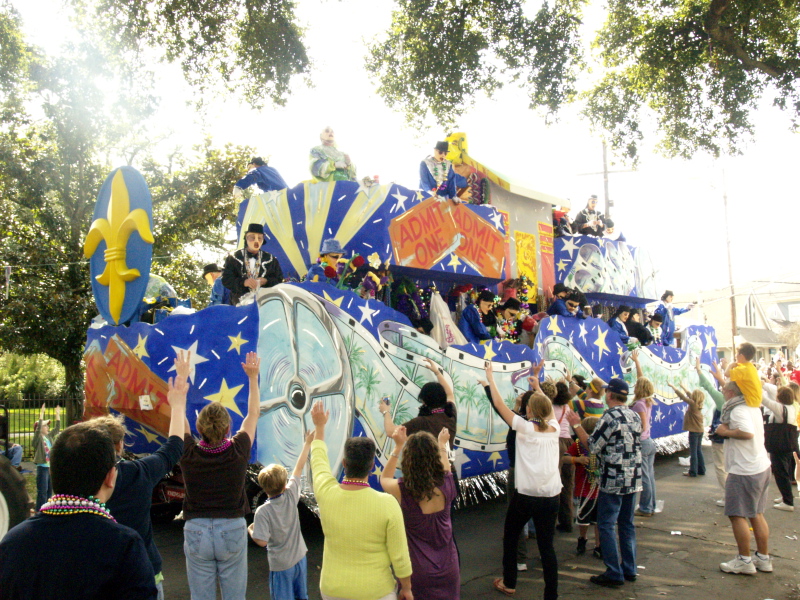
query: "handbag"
781, 438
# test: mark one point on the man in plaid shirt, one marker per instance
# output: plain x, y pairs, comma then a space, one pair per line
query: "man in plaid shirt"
616, 442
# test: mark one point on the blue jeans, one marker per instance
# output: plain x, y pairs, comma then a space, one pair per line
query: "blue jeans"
617, 509
647, 497
216, 549
44, 488
14, 454
697, 465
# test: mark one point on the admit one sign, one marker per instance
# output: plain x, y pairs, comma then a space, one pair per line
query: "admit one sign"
425, 234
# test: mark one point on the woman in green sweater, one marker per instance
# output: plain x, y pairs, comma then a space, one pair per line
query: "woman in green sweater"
364, 533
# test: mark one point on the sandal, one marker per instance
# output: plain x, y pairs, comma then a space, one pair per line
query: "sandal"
501, 587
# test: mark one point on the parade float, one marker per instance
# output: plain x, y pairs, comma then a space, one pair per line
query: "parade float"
320, 342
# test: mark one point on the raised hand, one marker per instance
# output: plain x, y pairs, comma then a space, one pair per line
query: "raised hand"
183, 365
399, 436
635, 356
487, 367
177, 388
251, 364
444, 436
319, 415
573, 418
58, 413
310, 437
536, 369
431, 365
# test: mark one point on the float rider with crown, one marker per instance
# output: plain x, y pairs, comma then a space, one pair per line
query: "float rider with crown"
250, 268
437, 177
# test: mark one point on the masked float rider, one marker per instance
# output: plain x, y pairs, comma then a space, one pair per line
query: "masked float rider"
437, 177
327, 268
250, 268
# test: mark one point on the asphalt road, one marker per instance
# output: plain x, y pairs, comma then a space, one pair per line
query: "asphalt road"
671, 565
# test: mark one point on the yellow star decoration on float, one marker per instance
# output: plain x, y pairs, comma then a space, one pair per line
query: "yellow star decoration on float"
553, 326
140, 349
600, 342
454, 262
237, 342
488, 353
561, 265
337, 302
150, 437
226, 397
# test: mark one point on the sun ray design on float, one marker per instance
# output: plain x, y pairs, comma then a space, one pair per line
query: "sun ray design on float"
272, 210
318, 198
367, 201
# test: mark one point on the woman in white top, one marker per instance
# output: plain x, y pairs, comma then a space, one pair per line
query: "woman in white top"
537, 483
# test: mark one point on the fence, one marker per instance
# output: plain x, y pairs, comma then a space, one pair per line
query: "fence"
23, 415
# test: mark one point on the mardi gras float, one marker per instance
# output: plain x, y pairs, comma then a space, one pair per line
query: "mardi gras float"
320, 342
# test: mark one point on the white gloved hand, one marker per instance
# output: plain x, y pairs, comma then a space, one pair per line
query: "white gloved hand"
340, 164
237, 192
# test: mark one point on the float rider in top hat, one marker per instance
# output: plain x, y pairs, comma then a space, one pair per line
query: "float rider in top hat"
250, 268
219, 293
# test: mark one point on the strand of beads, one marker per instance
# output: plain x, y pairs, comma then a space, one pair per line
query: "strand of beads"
216, 449
436, 411
66, 504
353, 482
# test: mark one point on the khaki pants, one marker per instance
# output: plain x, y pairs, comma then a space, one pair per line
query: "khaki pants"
718, 451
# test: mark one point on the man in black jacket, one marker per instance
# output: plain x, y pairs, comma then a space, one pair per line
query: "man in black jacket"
589, 221
250, 268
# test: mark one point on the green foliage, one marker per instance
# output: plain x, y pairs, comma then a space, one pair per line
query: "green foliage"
439, 54
693, 69
51, 168
30, 376
244, 46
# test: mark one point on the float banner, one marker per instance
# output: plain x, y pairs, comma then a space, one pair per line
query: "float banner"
546, 249
525, 244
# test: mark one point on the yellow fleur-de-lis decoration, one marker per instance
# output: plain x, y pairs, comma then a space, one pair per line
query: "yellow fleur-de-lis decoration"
116, 230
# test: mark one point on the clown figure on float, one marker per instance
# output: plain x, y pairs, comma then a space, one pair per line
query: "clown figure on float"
250, 268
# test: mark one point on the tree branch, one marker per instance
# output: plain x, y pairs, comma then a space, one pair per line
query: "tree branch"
726, 40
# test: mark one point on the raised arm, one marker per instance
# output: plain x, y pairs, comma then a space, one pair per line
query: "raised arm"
444, 381
533, 380
388, 425
715, 394
635, 359
497, 400
176, 395
444, 446
681, 395
388, 482
301, 460
251, 367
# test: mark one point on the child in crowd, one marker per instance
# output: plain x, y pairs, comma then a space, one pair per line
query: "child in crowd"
693, 422
43, 438
744, 373
276, 526
587, 486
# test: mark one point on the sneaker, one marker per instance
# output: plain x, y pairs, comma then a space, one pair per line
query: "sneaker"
688, 474
720, 503
786, 507
597, 553
522, 567
737, 565
581, 546
641, 513
763, 564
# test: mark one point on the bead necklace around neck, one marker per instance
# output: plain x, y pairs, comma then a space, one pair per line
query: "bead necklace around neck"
65, 504
215, 448
346, 481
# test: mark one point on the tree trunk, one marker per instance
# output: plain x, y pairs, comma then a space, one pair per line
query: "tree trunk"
73, 380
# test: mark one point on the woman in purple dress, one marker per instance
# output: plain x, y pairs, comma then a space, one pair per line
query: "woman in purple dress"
425, 493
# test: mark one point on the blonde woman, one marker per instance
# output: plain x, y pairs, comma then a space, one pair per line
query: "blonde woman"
537, 480
693, 423
215, 534
642, 405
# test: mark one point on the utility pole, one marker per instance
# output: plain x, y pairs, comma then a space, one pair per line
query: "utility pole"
608, 202
730, 267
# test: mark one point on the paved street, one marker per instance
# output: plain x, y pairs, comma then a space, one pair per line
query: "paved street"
671, 566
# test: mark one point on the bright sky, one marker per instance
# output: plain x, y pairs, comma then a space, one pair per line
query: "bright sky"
673, 207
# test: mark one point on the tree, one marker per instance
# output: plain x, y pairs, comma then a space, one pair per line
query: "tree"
51, 169
244, 46
697, 68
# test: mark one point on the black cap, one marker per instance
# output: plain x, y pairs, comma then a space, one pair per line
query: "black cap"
257, 161
441, 146
560, 287
212, 268
657, 317
617, 386
255, 228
